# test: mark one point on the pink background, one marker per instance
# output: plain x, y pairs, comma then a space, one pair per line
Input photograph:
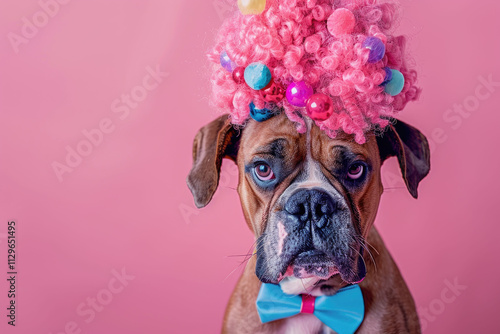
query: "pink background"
126, 204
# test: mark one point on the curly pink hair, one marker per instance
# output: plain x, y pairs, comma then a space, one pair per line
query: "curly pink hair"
292, 39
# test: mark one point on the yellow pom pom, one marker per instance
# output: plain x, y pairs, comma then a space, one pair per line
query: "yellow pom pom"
251, 7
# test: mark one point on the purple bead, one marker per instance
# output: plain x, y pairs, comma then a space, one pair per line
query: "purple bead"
298, 93
226, 62
376, 47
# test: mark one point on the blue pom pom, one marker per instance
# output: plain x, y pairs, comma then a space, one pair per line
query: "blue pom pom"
257, 76
260, 115
395, 86
388, 76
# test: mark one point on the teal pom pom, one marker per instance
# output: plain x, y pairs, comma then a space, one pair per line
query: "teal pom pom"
257, 76
395, 86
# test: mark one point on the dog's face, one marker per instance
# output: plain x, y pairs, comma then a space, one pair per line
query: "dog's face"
309, 199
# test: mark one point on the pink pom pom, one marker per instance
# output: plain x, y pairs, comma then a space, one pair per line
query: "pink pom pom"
341, 22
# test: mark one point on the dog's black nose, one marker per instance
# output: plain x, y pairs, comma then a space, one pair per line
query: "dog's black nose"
311, 205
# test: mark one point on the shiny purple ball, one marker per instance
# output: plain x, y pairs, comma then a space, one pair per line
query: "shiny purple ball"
298, 93
376, 47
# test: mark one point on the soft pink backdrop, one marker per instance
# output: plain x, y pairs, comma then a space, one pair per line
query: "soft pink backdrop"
126, 204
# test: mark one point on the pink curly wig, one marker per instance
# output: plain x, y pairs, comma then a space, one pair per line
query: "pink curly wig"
291, 37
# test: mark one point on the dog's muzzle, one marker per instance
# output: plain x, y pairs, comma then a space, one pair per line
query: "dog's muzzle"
311, 210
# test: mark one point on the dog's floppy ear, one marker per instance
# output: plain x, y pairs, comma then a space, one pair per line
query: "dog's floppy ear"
411, 148
212, 143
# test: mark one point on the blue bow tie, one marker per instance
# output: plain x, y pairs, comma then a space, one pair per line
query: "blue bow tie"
342, 312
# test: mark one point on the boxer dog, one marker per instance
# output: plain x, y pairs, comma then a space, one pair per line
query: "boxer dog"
311, 202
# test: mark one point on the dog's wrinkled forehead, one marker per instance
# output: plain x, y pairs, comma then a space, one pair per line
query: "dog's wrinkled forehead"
276, 136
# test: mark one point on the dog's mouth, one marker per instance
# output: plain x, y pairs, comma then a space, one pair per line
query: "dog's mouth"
310, 264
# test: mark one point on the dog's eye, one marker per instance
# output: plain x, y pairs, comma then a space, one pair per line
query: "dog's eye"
264, 172
356, 170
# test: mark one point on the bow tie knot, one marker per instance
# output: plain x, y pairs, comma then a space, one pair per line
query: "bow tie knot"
307, 304
342, 312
